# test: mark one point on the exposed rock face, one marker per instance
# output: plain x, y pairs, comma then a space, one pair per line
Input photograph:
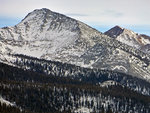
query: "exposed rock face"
114, 32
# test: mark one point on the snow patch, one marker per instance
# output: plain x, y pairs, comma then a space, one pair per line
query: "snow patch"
108, 83
83, 110
3, 101
120, 68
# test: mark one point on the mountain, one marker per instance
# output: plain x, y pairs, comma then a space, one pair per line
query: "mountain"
130, 38
49, 35
52, 63
52, 36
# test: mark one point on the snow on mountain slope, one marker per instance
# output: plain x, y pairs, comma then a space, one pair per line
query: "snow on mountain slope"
44, 33
49, 35
53, 36
146, 48
41, 29
128, 37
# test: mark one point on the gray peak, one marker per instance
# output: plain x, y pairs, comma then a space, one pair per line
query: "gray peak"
43, 9
37, 13
45, 16
115, 31
117, 27
44, 20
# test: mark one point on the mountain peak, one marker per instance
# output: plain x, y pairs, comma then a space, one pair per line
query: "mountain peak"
37, 13
118, 27
115, 31
43, 10
128, 37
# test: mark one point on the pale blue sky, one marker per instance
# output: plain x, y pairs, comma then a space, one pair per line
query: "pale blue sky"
100, 14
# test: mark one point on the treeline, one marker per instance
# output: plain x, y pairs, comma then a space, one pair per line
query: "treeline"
41, 93
94, 76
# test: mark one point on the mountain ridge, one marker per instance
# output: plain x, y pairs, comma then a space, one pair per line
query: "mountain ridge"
129, 37
52, 36
52, 63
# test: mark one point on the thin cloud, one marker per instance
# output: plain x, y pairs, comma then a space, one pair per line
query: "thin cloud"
77, 14
112, 13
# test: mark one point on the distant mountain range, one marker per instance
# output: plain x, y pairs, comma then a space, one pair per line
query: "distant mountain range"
49, 44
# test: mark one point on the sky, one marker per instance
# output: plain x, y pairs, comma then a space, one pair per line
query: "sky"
100, 14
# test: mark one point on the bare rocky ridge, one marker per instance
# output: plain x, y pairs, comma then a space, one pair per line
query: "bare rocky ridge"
49, 35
